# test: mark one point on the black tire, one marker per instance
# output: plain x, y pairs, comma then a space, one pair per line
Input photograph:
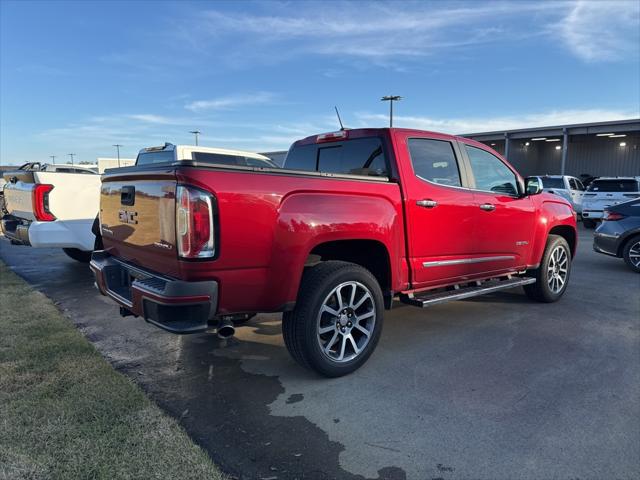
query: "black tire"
300, 328
542, 290
632, 244
78, 255
588, 223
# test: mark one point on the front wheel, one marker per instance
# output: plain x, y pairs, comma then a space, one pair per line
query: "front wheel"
631, 253
552, 276
337, 320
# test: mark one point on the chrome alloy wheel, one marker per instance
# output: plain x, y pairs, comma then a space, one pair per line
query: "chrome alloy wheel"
634, 254
557, 269
346, 321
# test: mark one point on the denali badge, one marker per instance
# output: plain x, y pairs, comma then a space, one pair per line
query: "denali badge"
128, 217
521, 243
163, 244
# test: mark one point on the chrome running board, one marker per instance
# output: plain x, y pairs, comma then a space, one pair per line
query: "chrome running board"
426, 299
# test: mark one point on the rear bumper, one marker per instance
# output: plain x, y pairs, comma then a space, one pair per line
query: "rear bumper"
606, 238
592, 214
15, 230
173, 305
59, 233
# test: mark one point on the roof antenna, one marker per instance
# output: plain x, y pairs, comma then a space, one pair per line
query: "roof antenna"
339, 119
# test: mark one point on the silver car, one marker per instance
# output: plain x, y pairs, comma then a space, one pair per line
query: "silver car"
569, 188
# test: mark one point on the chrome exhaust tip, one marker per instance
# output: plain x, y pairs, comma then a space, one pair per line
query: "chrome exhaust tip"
225, 328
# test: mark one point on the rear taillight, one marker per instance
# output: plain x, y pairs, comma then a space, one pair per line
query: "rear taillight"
195, 227
611, 216
40, 202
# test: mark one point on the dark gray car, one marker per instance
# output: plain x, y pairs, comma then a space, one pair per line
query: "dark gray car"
619, 234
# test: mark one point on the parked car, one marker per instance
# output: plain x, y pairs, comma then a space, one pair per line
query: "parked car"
619, 233
48, 205
604, 192
354, 219
570, 188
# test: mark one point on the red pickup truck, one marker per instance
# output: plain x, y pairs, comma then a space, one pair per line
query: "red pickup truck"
354, 220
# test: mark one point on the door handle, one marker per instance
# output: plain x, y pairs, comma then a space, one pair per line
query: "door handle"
427, 203
487, 207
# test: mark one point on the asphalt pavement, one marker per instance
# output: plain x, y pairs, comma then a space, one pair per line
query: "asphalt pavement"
496, 387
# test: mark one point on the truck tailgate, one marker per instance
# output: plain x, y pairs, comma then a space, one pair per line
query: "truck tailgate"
137, 218
18, 196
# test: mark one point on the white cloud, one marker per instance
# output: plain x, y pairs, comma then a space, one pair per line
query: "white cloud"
391, 33
378, 32
490, 124
603, 31
151, 118
231, 101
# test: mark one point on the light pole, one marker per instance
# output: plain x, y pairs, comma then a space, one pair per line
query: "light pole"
196, 133
53, 158
391, 99
71, 155
117, 145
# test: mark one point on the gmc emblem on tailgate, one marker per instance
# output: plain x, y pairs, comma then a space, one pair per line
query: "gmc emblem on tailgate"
128, 217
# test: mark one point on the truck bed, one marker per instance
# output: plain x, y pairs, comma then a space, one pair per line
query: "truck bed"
267, 222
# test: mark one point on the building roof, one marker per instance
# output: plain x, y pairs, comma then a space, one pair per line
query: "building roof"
615, 126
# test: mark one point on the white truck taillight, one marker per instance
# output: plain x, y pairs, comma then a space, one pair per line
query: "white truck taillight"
40, 202
195, 227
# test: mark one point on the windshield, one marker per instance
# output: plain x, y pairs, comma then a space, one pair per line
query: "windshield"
550, 182
613, 185
162, 156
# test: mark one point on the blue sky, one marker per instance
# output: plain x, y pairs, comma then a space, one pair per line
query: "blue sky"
81, 76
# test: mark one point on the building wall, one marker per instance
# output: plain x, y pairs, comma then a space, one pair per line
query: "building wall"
587, 154
603, 156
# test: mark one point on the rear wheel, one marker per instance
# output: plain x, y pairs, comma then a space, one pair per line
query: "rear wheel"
631, 253
552, 276
78, 255
337, 320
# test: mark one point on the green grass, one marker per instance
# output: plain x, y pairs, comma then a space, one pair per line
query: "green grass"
65, 413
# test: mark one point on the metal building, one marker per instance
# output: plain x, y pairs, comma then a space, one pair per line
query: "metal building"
598, 149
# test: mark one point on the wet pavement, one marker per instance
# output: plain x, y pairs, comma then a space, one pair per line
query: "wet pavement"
494, 387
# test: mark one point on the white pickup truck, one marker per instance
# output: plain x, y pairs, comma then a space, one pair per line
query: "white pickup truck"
50, 205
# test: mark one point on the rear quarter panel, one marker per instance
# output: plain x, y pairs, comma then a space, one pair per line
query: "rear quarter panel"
269, 224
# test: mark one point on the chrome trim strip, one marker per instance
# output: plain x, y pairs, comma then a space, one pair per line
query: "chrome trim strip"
460, 261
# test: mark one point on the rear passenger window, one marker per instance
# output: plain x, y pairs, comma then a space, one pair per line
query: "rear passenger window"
435, 161
491, 174
361, 156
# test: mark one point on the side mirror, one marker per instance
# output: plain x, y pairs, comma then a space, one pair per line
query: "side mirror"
533, 185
